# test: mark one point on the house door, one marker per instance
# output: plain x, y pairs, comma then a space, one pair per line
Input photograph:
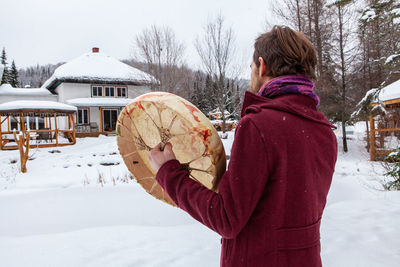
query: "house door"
110, 117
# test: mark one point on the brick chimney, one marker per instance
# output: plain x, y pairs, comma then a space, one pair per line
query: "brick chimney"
95, 50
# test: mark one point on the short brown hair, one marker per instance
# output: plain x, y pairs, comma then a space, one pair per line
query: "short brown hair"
285, 52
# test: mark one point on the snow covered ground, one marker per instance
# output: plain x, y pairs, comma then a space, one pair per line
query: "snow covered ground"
76, 206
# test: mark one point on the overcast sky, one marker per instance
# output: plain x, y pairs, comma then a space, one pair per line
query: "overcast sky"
51, 31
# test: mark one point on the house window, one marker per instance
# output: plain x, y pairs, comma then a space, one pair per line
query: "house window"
121, 91
109, 90
97, 91
14, 124
83, 116
39, 123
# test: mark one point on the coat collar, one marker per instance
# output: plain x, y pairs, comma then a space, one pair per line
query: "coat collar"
299, 105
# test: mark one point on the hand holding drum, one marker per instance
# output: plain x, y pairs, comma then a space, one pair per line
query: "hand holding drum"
158, 118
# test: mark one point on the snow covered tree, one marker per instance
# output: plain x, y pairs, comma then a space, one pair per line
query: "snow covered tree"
198, 93
195, 92
13, 75
236, 100
5, 77
378, 34
229, 92
355, 54
35, 76
380, 38
364, 109
392, 166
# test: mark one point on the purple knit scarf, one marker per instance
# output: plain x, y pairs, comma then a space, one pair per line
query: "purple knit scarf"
289, 84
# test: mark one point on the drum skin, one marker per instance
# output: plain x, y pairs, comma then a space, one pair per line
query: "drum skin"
164, 117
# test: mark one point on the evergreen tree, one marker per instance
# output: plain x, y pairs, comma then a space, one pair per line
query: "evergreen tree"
236, 102
380, 37
392, 166
13, 75
4, 62
196, 93
230, 97
194, 96
208, 93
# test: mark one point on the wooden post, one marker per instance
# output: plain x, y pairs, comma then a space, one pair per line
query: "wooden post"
101, 120
55, 123
1, 134
24, 155
73, 128
51, 133
22, 126
368, 136
27, 145
28, 123
372, 140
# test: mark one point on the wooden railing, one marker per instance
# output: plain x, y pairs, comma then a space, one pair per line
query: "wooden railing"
7, 138
374, 151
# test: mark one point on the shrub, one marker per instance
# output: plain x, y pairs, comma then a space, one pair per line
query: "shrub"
392, 166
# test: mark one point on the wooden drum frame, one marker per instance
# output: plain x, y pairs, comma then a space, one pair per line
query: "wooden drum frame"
161, 117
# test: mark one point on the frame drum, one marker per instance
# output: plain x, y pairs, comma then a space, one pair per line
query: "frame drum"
164, 117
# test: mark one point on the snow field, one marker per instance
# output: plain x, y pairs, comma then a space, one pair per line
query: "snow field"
360, 222
61, 213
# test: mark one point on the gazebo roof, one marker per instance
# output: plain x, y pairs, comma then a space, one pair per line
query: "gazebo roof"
36, 107
390, 92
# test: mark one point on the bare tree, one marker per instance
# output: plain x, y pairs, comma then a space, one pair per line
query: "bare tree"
315, 20
163, 54
351, 60
346, 52
216, 49
291, 12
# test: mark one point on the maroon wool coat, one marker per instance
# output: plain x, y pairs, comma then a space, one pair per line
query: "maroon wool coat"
271, 198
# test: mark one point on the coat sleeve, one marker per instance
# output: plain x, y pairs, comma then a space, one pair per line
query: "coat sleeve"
240, 189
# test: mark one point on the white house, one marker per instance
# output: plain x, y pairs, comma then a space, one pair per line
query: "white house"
97, 84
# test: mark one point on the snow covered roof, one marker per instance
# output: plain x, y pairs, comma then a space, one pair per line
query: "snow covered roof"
217, 111
390, 92
7, 89
100, 102
97, 67
36, 105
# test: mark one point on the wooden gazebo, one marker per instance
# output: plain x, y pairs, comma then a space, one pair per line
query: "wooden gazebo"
47, 124
215, 117
385, 128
